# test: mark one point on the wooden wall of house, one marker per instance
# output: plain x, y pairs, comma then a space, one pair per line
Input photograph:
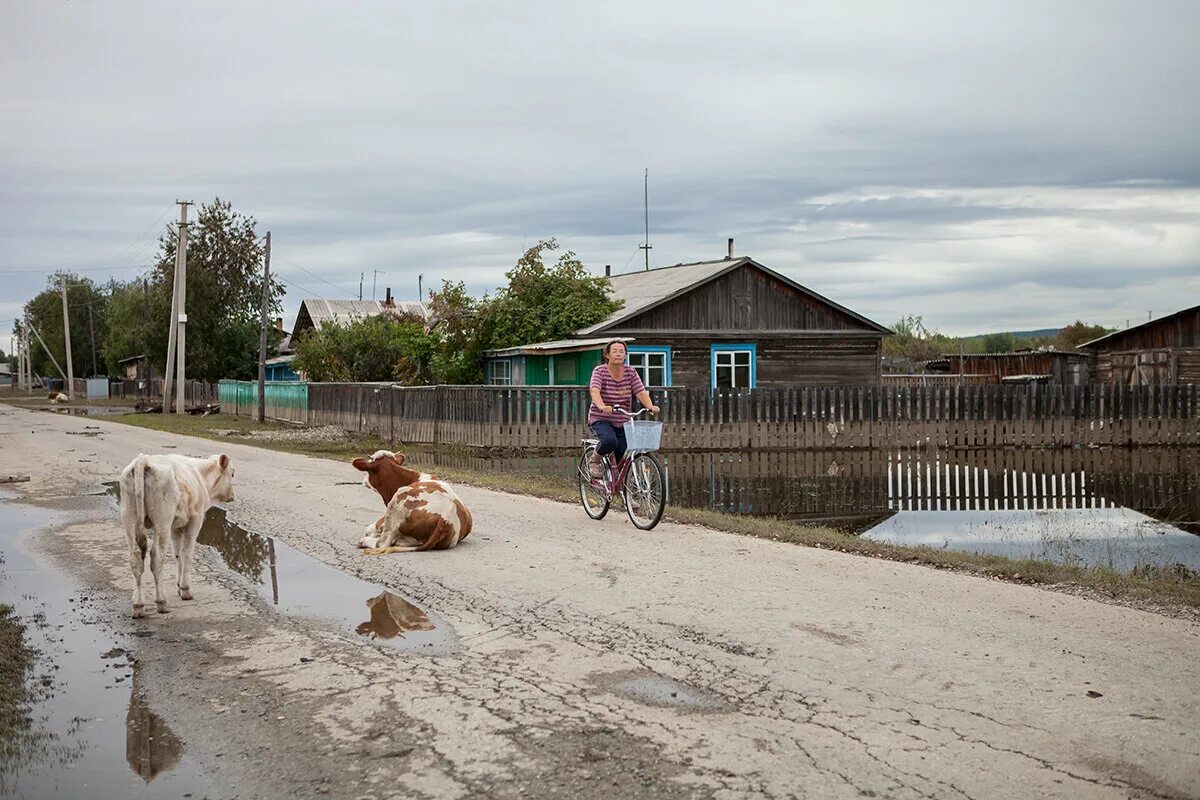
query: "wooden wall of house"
1146, 367
1058, 365
745, 299
1180, 331
793, 360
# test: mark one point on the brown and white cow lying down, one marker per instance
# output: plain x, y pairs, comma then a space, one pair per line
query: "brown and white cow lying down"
169, 494
423, 513
58, 398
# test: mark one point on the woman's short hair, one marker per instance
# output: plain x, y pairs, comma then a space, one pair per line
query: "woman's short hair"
608, 347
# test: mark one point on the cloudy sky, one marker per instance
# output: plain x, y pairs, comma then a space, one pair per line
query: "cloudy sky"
990, 166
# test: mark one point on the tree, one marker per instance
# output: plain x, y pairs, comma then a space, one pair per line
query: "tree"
461, 331
224, 296
46, 313
1077, 333
912, 340
998, 343
128, 322
544, 303
378, 348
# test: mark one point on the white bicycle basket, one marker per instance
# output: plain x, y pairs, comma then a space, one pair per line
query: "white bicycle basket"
643, 436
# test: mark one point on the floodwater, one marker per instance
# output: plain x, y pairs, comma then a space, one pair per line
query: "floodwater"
94, 735
1119, 508
298, 584
88, 411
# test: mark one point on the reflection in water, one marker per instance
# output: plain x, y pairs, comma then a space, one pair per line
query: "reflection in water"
392, 615
245, 552
150, 746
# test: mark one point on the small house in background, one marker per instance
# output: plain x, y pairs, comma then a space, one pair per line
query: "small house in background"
1160, 351
137, 368
731, 323
1059, 367
279, 366
315, 312
6, 375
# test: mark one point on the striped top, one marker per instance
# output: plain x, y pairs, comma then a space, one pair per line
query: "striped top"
615, 391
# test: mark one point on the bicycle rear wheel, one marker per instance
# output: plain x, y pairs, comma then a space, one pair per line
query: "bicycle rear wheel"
595, 501
645, 491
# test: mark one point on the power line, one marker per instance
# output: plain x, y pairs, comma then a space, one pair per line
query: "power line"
309, 272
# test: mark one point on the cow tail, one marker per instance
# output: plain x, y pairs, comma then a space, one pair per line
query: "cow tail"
139, 502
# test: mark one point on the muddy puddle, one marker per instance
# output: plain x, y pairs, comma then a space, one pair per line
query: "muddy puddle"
89, 411
91, 733
298, 584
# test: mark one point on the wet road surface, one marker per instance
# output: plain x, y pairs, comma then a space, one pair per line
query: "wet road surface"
595, 660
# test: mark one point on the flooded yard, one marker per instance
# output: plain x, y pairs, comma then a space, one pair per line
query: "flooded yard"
1118, 508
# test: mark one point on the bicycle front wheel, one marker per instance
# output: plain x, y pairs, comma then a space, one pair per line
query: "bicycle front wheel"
595, 501
645, 491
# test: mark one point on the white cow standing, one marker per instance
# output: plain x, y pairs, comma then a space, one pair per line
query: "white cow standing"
169, 494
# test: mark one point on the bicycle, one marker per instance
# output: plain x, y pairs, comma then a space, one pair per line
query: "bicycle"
638, 478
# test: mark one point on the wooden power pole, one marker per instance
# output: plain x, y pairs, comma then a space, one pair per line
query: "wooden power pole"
175, 343
262, 342
181, 338
67, 340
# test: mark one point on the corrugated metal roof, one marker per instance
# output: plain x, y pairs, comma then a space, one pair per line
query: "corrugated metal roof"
344, 311
643, 290
560, 345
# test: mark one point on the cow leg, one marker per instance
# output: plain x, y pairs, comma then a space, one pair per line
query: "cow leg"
187, 548
158, 552
138, 565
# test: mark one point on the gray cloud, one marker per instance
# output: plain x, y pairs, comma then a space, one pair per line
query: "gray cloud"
901, 159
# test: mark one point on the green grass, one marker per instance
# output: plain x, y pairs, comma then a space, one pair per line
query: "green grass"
1156, 586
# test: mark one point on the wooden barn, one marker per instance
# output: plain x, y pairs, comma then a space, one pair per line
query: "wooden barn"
732, 323
1161, 351
1059, 367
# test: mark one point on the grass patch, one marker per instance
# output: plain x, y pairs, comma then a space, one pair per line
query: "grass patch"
1169, 587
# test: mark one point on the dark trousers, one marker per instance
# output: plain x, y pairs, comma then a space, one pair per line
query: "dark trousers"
612, 439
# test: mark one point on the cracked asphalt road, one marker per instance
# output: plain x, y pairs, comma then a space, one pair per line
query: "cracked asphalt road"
595, 660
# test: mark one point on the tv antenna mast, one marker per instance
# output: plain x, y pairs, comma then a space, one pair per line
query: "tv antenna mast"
647, 247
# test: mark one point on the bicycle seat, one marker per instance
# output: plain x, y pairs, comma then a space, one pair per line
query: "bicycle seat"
589, 441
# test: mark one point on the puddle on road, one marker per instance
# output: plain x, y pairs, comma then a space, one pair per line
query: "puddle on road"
87, 690
655, 690
88, 411
302, 585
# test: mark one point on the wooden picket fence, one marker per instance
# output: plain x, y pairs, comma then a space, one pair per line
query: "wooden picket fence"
794, 418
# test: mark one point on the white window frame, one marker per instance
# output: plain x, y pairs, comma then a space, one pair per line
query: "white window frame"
725, 356
643, 369
499, 380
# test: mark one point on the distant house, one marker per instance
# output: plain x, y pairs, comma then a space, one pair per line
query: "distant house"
732, 323
313, 313
6, 375
1022, 366
279, 366
137, 368
1160, 351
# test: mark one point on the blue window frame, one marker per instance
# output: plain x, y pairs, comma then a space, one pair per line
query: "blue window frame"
733, 366
653, 364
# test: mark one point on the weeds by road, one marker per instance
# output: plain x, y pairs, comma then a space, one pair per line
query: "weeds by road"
1162, 590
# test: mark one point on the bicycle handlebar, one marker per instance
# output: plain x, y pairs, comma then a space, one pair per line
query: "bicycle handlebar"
618, 407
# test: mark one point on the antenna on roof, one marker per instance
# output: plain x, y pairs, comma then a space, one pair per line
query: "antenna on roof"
647, 247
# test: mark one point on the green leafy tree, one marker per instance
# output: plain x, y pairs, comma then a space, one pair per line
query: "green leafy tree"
378, 348
998, 343
912, 340
542, 303
128, 322
46, 314
224, 296
461, 331
1077, 333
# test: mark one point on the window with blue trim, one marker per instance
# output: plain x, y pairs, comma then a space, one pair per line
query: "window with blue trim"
733, 366
652, 364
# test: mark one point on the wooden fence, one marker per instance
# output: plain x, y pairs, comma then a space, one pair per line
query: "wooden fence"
763, 419
195, 393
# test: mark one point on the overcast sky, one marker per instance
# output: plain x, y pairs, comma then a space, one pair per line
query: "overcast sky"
990, 166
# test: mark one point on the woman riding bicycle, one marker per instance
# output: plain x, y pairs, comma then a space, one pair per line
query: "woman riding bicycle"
613, 383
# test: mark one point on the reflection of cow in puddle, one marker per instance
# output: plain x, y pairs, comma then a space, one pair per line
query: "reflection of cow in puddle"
150, 746
392, 615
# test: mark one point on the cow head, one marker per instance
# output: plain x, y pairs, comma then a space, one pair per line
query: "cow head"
221, 479
386, 473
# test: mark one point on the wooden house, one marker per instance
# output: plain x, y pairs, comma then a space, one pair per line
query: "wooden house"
1160, 351
732, 323
315, 312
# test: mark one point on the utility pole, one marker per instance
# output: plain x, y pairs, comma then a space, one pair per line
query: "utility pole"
647, 247
360, 283
67, 340
92, 331
375, 273
421, 288
172, 324
181, 338
262, 342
